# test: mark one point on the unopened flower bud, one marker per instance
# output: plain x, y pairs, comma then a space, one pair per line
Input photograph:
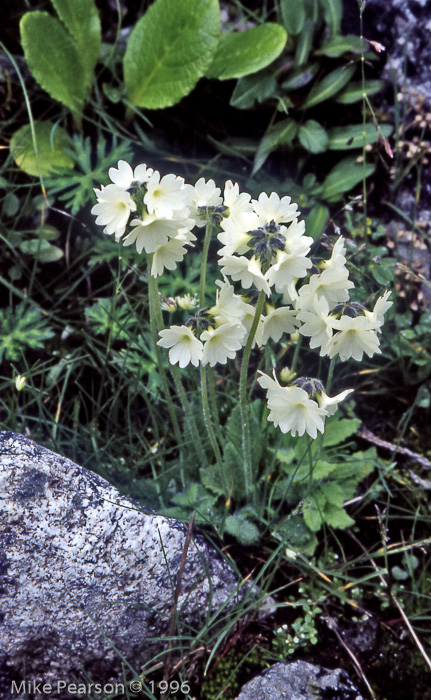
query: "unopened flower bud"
20, 382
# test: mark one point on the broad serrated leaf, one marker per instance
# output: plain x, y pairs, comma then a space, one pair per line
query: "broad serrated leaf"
300, 77
322, 469
293, 15
339, 45
333, 493
53, 58
313, 136
345, 175
242, 529
337, 517
281, 134
313, 519
82, 21
333, 13
169, 50
52, 143
329, 86
356, 91
355, 136
337, 431
298, 535
241, 53
304, 44
251, 89
234, 468
316, 220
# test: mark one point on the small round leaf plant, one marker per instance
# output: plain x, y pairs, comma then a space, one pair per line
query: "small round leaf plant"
263, 250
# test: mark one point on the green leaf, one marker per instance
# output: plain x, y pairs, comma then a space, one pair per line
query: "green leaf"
322, 469
300, 77
313, 519
345, 175
333, 13
280, 134
338, 430
51, 143
316, 220
305, 42
313, 136
169, 49
355, 91
337, 517
82, 20
253, 88
339, 45
355, 136
333, 493
293, 15
42, 250
242, 53
329, 86
53, 58
243, 529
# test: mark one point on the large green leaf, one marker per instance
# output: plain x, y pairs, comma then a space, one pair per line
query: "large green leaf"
281, 134
345, 175
293, 15
313, 137
43, 250
339, 45
82, 20
53, 58
329, 86
242, 53
300, 77
356, 91
333, 13
169, 49
51, 143
355, 136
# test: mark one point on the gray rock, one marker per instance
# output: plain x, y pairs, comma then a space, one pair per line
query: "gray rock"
81, 565
300, 680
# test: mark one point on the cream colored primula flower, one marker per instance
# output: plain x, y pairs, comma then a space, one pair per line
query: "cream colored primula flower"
354, 337
377, 315
184, 348
168, 255
330, 404
124, 175
291, 409
202, 194
235, 234
222, 344
338, 256
333, 284
229, 307
317, 324
273, 208
236, 202
246, 271
165, 197
113, 209
276, 323
287, 268
149, 231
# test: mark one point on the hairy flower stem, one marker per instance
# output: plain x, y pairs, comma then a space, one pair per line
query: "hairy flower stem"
210, 429
157, 318
154, 304
296, 355
246, 442
330, 375
207, 240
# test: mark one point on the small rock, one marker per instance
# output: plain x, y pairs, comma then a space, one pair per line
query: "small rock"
81, 565
300, 680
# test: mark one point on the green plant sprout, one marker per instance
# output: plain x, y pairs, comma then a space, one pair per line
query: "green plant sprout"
263, 248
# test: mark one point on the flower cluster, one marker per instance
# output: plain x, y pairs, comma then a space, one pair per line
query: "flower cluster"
264, 249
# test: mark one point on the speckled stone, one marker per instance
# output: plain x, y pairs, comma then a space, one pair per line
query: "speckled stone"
300, 680
80, 564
